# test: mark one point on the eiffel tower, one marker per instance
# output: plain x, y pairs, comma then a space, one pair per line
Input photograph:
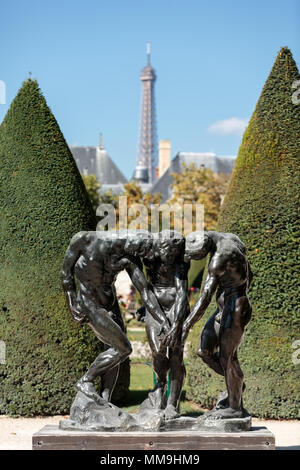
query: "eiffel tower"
147, 147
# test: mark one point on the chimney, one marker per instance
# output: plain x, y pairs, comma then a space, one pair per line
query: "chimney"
164, 156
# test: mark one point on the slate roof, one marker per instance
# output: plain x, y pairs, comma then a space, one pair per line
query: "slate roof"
116, 189
96, 161
208, 160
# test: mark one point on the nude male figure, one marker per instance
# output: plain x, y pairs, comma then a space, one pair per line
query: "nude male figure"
167, 273
95, 259
229, 273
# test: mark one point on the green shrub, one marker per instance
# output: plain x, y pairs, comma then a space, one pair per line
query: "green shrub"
43, 202
262, 208
196, 273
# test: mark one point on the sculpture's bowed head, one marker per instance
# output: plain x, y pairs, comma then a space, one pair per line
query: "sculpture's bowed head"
138, 242
197, 245
167, 244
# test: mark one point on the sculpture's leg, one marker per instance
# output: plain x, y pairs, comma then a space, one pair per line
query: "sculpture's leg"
160, 362
208, 346
230, 340
177, 378
119, 349
108, 382
223, 398
109, 379
233, 376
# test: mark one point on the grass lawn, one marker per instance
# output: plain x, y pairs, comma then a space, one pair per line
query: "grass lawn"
141, 382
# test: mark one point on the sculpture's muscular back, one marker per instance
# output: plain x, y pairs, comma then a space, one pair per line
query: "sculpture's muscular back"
159, 273
229, 262
96, 269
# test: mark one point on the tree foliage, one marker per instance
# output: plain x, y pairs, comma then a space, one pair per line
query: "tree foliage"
92, 187
135, 195
200, 186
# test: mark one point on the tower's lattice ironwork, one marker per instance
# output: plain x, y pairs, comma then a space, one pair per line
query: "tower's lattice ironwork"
147, 148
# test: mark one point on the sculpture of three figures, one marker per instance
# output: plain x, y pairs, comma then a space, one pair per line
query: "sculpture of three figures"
95, 258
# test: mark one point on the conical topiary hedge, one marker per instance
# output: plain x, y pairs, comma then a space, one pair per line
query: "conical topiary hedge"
43, 203
262, 208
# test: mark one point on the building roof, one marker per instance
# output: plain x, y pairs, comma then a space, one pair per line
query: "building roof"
96, 161
106, 170
84, 158
115, 189
208, 160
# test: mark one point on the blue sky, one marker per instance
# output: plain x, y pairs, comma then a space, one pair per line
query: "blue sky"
211, 58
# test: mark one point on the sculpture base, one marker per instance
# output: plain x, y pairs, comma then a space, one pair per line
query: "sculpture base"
104, 426
53, 438
87, 415
204, 424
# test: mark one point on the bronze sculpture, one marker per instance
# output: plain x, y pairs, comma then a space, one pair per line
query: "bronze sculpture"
230, 275
95, 258
167, 273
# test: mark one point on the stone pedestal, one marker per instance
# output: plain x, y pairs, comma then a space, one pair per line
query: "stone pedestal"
53, 438
104, 426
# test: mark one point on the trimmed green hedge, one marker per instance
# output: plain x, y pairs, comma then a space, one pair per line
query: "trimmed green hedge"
43, 203
196, 273
262, 208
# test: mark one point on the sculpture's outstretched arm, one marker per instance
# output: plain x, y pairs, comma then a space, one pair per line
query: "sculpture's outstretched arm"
181, 300
181, 305
136, 274
68, 282
209, 288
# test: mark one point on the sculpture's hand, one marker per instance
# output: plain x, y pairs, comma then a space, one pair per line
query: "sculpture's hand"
165, 327
172, 337
78, 315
